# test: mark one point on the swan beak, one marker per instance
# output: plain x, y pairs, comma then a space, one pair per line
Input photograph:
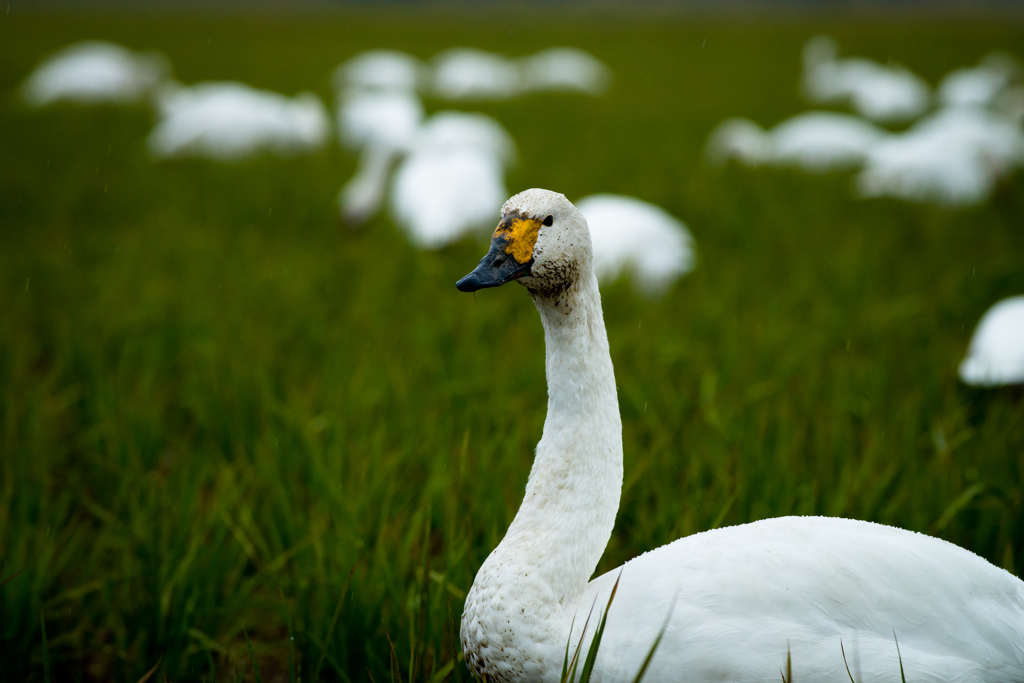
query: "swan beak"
509, 258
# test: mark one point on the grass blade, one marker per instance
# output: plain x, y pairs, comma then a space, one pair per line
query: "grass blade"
787, 677
252, 657
588, 665
455, 651
903, 677
844, 662
334, 621
46, 651
657, 642
145, 676
568, 642
571, 676
291, 639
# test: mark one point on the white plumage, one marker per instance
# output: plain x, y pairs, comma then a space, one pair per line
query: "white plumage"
631, 235
996, 352
380, 69
814, 141
228, 121
953, 157
740, 598
566, 69
981, 85
467, 74
881, 93
380, 118
453, 181
93, 72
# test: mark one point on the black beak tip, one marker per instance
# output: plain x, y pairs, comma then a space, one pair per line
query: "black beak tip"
469, 283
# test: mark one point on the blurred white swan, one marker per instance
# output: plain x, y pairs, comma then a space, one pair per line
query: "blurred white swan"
881, 93
815, 141
981, 85
382, 125
565, 69
953, 157
468, 74
631, 235
93, 72
380, 69
996, 352
227, 121
453, 181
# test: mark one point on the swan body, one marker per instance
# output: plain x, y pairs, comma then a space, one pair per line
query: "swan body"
815, 141
453, 181
565, 69
380, 69
467, 74
996, 352
881, 93
735, 600
92, 72
228, 121
629, 234
954, 157
981, 85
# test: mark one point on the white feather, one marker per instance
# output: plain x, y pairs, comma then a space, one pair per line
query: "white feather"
996, 352
631, 235
881, 93
229, 121
93, 72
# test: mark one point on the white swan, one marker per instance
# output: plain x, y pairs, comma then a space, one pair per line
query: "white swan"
94, 71
981, 85
996, 352
567, 69
815, 141
380, 69
953, 157
228, 121
881, 93
453, 181
464, 73
629, 234
382, 124
742, 595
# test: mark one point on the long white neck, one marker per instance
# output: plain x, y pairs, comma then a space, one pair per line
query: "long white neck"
538, 572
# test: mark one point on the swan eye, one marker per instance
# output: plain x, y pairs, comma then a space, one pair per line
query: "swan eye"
548, 221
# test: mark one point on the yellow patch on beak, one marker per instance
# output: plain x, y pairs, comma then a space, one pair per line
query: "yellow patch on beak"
520, 236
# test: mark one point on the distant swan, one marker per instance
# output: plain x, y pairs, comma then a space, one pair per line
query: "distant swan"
881, 93
743, 596
996, 353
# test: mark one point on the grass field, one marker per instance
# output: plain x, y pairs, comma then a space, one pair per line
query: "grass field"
224, 415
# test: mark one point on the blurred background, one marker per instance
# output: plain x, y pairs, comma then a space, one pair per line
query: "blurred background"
250, 430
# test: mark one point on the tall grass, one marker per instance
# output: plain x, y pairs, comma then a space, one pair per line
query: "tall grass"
220, 410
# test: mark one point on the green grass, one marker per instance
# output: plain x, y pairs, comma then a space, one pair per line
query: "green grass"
225, 417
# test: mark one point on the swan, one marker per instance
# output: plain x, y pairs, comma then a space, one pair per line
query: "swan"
565, 69
995, 355
815, 141
954, 157
629, 234
380, 69
981, 85
228, 121
95, 71
382, 124
453, 181
736, 599
464, 73
881, 93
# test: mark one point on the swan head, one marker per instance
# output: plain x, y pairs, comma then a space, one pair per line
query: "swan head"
542, 242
